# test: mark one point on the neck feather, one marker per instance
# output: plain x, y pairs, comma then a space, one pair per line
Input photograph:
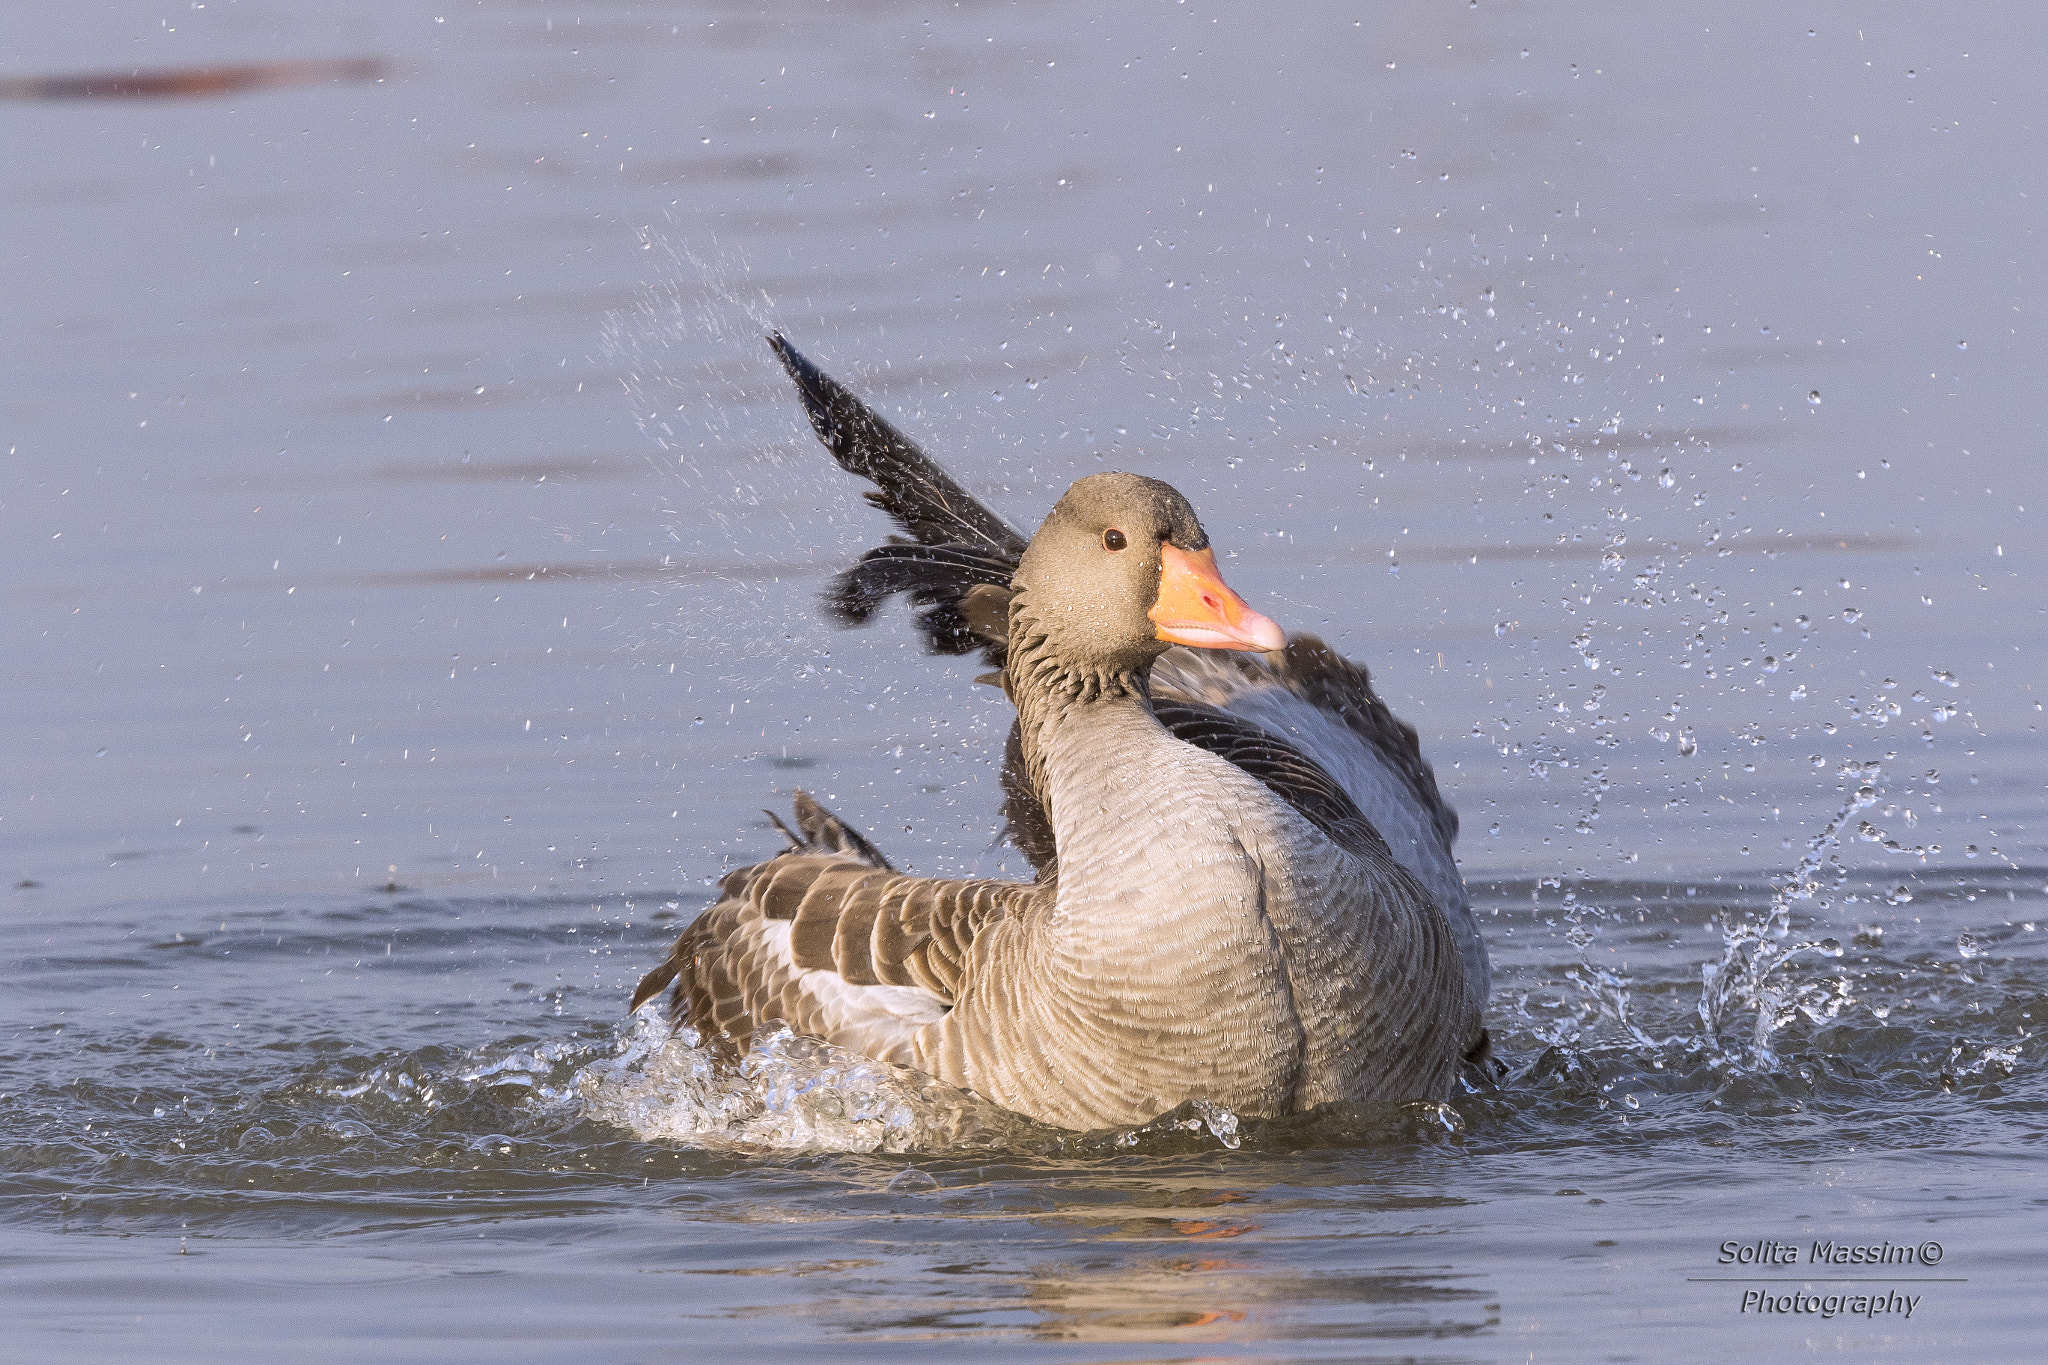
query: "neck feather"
1051, 688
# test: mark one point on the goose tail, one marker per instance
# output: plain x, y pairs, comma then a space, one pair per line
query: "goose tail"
824, 832
653, 984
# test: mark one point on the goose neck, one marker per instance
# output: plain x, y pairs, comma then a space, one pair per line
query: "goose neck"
1065, 709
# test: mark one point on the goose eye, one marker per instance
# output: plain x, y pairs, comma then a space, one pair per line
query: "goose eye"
1113, 539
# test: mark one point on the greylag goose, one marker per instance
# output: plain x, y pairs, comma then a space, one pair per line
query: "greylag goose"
1245, 887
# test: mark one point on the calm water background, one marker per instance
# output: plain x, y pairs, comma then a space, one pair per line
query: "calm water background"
409, 564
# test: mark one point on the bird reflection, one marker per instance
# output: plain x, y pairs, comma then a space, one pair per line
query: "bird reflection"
1252, 1291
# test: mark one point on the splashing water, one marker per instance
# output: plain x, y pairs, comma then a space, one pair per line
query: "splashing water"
797, 1094
1755, 988
1752, 975
788, 1093
1193, 1117
679, 339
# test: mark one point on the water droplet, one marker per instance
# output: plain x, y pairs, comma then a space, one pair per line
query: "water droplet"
1945, 678
1500, 628
1688, 744
1967, 946
1851, 615
1814, 398
1962, 345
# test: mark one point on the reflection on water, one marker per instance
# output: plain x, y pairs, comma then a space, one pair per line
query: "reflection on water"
196, 81
414, 551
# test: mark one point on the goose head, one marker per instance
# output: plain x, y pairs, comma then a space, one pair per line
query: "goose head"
1121, 571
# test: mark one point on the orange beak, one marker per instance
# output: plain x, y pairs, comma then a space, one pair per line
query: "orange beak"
1196, 608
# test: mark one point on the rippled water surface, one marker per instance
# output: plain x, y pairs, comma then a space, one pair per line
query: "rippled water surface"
410, 554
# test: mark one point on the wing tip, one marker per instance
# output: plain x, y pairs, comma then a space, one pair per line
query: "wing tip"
792, 359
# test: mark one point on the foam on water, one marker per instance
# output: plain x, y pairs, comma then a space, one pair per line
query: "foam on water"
788, 1093
798, 1094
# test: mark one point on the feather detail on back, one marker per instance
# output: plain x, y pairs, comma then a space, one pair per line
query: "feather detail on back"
1198, 702
1286, 771
1318, 675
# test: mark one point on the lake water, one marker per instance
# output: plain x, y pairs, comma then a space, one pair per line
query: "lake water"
410, 563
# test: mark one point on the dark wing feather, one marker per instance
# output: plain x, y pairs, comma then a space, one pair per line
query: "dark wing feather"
1286, 771
1320, 675
939, 579
923, 498
824, 832
1025, 822
959, 559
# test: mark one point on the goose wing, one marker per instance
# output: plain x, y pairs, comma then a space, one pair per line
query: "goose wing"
1323, 706
958, 559
831, 940
1285, 770
922, 498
